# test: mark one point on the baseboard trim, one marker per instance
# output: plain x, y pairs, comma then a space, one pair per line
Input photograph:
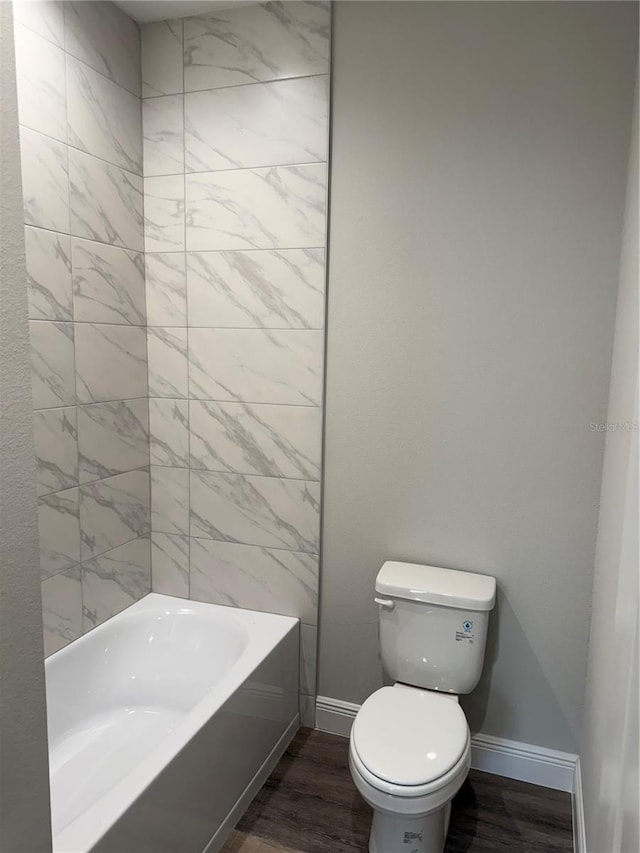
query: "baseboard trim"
535, 764
577, 803
512, 759
335, 716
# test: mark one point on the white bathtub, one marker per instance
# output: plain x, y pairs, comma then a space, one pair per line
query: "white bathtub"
164, 722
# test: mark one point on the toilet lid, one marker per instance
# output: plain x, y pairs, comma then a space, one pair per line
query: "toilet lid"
409, 737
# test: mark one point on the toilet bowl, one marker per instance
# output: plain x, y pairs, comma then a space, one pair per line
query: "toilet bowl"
410, 747
409, 753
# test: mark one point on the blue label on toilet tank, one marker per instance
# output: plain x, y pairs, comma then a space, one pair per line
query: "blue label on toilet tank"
466, 635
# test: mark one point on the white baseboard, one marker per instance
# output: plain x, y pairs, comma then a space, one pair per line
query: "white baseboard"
577, 802
335, 716
535, 764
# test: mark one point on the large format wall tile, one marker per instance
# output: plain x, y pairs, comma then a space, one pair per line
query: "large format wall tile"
112, 438
56, 446
266, 511
81, 150
169, 500
170, 564
281, 207
256, 365
262, 125
45, 181
106, 201
248, 44
108, 284
275, 441
235, 150
102, 36
115, 580
52, 364
164, 214
168, 364
264, 579
163, 127
271, 289
48, 257
40, 70
59, 531
113, 511
161, 58
169, 432
123, 349
166, 288
104, 119
44, 17
61, 610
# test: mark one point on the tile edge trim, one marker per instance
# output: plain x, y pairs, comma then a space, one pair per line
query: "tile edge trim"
577, 803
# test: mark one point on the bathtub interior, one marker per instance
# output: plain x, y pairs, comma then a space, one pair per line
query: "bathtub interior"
120, 693
170, 659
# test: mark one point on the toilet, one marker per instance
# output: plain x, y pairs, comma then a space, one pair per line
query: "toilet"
410, 746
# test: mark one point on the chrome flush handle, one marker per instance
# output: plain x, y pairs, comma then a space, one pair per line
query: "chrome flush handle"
388, 603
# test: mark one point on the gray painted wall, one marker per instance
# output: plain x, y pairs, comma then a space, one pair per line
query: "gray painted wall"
24, 778
477, 194
609, 750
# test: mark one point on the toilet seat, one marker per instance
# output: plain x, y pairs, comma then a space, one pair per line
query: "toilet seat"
408, 799
409, 742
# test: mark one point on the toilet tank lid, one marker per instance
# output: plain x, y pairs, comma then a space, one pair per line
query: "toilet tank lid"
446, 587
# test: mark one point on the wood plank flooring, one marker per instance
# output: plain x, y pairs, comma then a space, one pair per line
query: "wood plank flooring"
309, 805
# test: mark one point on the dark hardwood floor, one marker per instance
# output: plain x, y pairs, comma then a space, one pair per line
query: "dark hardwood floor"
309, 805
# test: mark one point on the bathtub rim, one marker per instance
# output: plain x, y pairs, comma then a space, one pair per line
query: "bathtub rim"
96, 820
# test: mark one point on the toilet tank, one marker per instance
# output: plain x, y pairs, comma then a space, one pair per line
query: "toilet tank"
433, 625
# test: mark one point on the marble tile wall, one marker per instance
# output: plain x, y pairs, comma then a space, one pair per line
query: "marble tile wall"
235, 127
79, 102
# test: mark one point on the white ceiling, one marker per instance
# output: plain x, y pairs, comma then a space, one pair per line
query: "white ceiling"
144, 11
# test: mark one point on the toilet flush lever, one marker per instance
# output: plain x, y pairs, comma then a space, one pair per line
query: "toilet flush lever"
385, 602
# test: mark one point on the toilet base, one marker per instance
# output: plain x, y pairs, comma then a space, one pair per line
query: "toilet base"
405, 834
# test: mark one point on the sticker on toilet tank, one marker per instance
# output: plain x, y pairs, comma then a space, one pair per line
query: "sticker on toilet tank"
415, 839
466, 634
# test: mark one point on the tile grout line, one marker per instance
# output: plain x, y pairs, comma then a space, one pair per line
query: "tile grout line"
191, 469
266, 329
71, 147
272, 249
115, 246
97, 402
73, 314
186, 311
247, 545
146, 320
186, 92
80, 563
268, 166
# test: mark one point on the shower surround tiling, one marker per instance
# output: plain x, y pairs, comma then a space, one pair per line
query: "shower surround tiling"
78, 68
235, 124
188, 344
